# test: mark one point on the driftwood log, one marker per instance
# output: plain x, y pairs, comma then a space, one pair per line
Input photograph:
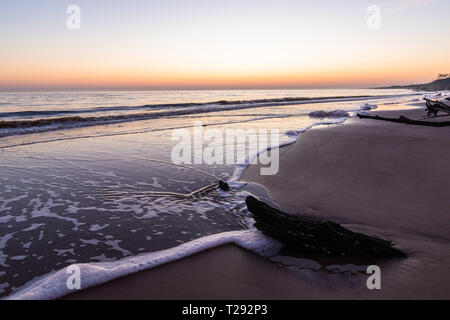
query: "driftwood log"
318, 236
403, 119
434, 106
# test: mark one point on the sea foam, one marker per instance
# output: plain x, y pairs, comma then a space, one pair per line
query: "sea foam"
54, 285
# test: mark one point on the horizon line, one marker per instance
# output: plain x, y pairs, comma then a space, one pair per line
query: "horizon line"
231, 88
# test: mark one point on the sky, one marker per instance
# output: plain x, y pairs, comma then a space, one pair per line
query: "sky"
210, 44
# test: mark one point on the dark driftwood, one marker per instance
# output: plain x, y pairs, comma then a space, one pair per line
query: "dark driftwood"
403, 119
318, 236
434, 106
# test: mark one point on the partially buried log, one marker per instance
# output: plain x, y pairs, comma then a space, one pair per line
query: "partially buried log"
403, 119
318, 236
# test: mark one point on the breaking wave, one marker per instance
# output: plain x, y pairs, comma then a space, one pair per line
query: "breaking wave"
54, 285
51, 120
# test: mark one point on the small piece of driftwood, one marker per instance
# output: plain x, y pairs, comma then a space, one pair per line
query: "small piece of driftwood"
312, 235
224, 186
403, 119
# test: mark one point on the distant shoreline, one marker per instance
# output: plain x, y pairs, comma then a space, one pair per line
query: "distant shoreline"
437, 85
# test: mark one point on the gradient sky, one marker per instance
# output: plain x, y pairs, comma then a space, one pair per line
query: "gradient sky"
221, 44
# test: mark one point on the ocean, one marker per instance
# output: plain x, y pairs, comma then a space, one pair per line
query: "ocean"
88, 177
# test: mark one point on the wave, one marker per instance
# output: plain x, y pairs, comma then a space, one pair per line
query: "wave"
339, 113
43, 124
29, 113
255, 117
36, 113
54, 285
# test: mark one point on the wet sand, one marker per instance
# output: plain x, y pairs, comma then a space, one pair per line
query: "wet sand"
386, 179
364, 169
226, 272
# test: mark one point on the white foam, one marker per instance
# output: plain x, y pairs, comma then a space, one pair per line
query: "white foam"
27, 245
34, 226
18, 258
64, 252
96, 227
93, 242
53, 285
368, 107
3, 240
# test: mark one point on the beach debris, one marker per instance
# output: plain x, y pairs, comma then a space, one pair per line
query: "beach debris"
313, 235
434, 106
403, 119
224, 186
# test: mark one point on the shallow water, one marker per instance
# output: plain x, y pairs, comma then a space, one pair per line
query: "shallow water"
93, 193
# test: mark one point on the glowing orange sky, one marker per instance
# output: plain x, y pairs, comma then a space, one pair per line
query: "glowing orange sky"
214, 45
48, 77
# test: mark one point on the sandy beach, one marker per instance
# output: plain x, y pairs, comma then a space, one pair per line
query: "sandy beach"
384, 179
224, 273
278, 151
